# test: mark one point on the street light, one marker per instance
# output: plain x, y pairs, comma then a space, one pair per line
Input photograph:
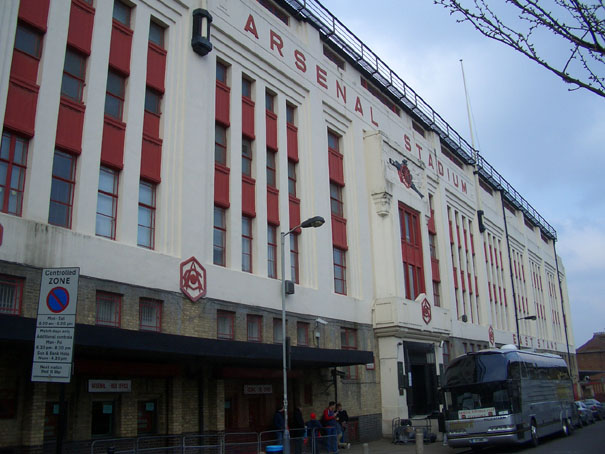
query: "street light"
529, 317
316, 221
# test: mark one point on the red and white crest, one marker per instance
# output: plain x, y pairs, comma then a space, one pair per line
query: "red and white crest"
193, 279
426, 311
490, 333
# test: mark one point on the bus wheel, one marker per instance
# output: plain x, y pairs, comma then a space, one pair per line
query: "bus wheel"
534, 433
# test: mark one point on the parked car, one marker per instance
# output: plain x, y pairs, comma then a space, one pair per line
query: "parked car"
586, 416
597, 408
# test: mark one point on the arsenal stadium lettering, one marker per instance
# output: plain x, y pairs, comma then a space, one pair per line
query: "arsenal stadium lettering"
320, 77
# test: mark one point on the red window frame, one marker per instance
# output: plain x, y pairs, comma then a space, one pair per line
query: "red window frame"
225, 319
151, 306
277, 330
437, 293
147, 204
32, 33
254, 321
340, 271
302, 334
272, 251
348, 341
247, 243
292, 177
63, 184
411, 246
271, 168
11, 294
114, 301
114, 99
247, 157
294, 264
336, 203
14, 160
219, 242
220, 144
75, 73
112, 195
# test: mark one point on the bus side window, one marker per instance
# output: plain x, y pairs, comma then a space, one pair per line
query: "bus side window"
525, 373
514, 371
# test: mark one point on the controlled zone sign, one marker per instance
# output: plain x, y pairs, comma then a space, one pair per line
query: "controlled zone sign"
55, 325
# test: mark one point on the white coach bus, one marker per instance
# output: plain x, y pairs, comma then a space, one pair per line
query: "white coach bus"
506, 396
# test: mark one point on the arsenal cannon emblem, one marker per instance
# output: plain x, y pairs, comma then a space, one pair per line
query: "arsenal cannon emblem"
426, 311
193, 279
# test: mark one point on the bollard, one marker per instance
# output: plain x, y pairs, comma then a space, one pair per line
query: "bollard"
366, 449
419, 441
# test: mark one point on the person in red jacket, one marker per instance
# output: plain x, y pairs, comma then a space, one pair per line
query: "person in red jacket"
328, 420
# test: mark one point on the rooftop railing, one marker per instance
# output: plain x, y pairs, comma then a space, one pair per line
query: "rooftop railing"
356, 52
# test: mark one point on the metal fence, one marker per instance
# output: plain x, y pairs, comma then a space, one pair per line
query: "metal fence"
215, 443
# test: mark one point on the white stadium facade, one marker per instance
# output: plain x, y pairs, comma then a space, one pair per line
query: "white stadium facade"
160, 148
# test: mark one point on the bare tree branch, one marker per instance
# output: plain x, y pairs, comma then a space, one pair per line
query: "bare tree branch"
575, 28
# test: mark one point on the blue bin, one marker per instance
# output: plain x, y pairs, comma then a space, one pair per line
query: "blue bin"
274, 448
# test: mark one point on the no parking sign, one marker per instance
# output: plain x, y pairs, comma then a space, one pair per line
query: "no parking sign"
55, 325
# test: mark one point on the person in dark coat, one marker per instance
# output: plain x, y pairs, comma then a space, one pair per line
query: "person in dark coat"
279, 424
314, 432
297, 430
342, 418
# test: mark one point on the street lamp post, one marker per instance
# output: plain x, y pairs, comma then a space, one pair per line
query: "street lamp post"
316, 221
529, 317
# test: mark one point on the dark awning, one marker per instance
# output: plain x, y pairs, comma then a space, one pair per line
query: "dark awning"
114, 343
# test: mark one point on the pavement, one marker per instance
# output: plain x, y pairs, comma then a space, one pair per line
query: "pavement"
385, 446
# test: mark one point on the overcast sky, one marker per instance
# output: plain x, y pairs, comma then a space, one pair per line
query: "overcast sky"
547, 141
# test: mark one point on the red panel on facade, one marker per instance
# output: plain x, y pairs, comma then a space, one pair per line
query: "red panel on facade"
339, 232
271, 130
476, 286
470, 283
294, 211
34, 12
462, 280
24, 67
69, 125
151, 124
435, 270
451, 234
151, 159
112, 149
119, 52
292, 138
221, 185
248, 118
81, 20
248, 196
272, 205
336, 167
472, 244
156, 67
21, 107
222, 103
455, 277
431, 224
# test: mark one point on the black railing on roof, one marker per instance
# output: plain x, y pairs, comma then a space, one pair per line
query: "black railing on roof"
355, 51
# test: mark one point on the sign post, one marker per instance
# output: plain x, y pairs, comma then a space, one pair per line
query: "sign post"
55, 325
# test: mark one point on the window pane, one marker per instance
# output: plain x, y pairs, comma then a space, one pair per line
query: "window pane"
156, 34
74, 64
5, 148
147, 193
121, 13
71, 87
20, 151
107, 180
152, 101
28, 41
63, 165
221, 73
115, 84
113, 107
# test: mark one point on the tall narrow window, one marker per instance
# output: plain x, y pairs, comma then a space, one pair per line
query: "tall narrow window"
225, 325
340, 271
277, 330
220, 144
121, 13
292, 177
28, 41
146, 232
247, 244
271, 169
336, 199
247, 88
11, 294
220, 237
270, 102
116, 92
411, 246
302, 334
150, 315
103, 419
156, 34
107, 203
294, 268
221, 72
74, 73
62, 189
247, 157
13, 161
108, 309
272, 251
290, 109
153, 101
348, 341
255, 328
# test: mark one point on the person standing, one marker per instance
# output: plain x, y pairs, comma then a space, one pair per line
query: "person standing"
314, 432
298, 430
342, 418
331, 426
279, 424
